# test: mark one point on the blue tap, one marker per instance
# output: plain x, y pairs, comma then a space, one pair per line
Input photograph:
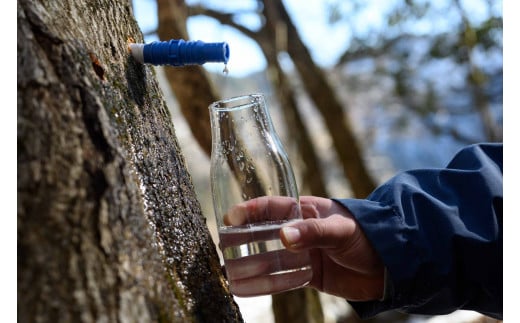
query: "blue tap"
178, 52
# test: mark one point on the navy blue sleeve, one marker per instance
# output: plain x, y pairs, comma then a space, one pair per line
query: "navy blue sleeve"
439, 234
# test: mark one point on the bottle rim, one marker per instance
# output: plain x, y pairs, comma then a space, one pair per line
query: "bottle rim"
237, 102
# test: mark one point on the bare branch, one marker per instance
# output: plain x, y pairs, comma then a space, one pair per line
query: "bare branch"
223, 18
366, 51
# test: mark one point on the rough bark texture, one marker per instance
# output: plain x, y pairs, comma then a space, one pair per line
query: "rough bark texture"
109, 229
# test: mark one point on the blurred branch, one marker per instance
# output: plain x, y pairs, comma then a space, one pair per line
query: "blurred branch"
223, 18
359, 50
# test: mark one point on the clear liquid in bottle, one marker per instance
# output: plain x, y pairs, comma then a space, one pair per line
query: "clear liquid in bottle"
257, 262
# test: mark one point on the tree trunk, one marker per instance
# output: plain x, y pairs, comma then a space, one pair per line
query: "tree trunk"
109, 228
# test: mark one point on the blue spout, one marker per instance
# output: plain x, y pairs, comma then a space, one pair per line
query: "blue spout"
178, 52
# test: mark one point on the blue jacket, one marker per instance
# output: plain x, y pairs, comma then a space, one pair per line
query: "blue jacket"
439, 234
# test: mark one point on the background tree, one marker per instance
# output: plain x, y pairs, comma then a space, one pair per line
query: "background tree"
109, 227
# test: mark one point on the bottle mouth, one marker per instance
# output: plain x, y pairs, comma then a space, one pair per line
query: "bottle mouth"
237, 102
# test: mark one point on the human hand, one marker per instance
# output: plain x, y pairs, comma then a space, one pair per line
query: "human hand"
343, 261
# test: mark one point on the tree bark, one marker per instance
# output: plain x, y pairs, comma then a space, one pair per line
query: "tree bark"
109, 228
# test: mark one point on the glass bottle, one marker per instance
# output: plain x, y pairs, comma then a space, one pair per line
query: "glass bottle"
248, 162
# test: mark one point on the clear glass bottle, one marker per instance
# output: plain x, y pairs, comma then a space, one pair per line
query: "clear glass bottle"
249, 162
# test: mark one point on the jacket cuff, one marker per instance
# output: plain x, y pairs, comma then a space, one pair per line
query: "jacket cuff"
381, 225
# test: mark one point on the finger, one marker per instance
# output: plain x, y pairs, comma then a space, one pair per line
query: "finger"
331, 232
309, 211
320, 207
265, 208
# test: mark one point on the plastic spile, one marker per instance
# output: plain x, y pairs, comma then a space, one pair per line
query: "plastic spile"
178, 52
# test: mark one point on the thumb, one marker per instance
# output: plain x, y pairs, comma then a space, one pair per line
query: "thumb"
331, 232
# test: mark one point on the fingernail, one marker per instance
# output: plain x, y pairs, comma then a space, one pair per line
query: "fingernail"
291, 235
